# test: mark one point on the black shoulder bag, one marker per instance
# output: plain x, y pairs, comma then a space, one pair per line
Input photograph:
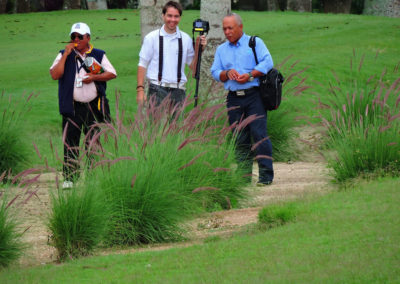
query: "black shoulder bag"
270, 84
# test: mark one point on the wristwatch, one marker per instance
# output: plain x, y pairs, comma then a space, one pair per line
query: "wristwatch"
251, 78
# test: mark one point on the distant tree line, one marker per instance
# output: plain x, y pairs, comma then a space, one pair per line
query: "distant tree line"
389, 8
25, 6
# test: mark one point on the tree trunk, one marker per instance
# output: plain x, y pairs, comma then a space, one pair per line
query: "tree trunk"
72, 4
150, 15
282, 4
299, 5
97, 4
389, 8
23, 6
213, 12
272, 5
51, 5
3, 5
338, 6
37, 5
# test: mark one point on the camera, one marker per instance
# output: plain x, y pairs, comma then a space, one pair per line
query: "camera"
201, 26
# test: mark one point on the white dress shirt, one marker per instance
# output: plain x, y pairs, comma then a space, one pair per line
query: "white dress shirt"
149, 55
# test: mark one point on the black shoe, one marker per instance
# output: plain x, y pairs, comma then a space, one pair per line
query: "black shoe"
264, 183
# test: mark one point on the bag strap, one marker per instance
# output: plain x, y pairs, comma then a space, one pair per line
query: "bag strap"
252, 44
161, 58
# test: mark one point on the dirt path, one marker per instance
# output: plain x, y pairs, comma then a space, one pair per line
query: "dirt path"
291, 181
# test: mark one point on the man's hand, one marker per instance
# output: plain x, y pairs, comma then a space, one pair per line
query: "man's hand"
233, 74
243, 78
88, 78
203, 41
103, 77
69, 48
140, 96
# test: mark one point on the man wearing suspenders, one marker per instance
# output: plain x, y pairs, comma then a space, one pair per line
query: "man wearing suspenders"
162, 59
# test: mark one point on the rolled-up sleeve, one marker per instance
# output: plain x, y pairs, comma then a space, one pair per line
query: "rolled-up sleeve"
146, 52
217, 68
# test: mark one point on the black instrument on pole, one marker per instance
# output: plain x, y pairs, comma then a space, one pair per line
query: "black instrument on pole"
201, 27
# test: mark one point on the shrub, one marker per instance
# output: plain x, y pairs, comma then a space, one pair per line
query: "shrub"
13, 148
162, 167
280, 125
276, 215
363, 125
77, 221
10, 245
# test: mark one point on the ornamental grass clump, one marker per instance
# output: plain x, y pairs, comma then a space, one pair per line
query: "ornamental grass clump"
16, 193
363, 125
13, 148
161, 166
77, 221
11, 246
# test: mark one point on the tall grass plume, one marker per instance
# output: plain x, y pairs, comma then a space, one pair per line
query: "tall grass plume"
362, 120
13, 146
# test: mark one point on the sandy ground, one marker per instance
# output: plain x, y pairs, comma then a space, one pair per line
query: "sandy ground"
292, 180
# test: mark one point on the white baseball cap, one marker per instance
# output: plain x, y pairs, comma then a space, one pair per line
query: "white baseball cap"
80, 28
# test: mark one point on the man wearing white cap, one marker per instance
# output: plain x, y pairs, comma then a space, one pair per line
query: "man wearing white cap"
81, 93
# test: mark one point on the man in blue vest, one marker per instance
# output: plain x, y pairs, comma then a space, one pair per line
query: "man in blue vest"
81, 94
235, 65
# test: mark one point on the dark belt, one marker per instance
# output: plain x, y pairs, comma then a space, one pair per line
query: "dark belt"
243, 92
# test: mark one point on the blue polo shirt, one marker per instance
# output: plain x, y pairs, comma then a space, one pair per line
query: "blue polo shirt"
241, 58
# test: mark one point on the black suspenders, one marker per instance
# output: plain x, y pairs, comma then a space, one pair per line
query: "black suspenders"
180, 55
161, 57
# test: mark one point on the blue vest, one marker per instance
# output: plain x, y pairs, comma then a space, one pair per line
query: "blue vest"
67, 81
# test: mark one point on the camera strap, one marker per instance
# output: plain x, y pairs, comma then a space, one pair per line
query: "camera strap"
82, 64
161, 58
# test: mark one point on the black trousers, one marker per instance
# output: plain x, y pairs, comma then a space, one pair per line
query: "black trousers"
84, 119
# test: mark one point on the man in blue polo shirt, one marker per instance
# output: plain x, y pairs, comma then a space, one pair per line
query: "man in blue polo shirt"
235, 65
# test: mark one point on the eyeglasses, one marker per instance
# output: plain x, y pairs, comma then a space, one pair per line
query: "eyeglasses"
73, 36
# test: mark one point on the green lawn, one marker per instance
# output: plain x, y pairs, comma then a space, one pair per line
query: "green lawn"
30, 42
348, 236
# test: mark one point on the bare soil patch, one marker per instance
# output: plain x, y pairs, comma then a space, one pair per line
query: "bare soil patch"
292, 180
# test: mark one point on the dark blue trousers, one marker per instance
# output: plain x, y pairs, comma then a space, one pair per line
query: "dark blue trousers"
256, 131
